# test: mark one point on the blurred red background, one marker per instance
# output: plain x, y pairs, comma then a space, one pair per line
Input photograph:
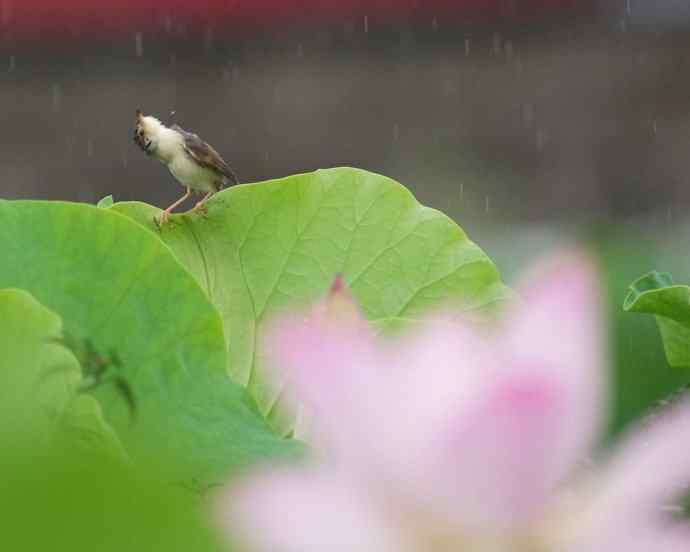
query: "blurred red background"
79, 19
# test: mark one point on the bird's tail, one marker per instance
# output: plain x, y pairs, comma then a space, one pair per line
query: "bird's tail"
229, 179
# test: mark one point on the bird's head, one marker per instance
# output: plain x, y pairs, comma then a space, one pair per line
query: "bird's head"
147, 131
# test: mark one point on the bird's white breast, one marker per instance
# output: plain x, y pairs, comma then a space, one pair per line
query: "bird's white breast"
187, 171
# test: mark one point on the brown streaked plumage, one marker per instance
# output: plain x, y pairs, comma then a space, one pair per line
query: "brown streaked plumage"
205, 155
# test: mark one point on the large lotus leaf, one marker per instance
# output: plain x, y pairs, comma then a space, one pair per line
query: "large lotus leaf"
119, 288
655, 293
263, 246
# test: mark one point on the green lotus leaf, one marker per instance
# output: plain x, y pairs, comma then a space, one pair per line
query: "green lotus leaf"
262, 247
655, 293
141, 326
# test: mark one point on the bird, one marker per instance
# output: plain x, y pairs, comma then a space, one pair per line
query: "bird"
193, 163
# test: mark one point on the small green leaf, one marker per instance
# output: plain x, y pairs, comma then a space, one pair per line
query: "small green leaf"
119, 289
106, 202
655, 293
263, 247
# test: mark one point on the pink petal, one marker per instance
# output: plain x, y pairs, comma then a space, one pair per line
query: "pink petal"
479, 429
487, 467
428, 374
327, 359
484, 428
293, 511
647, 472
462, 435
559, 332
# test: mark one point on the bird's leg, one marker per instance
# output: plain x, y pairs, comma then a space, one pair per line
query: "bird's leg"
166, 214
200, 206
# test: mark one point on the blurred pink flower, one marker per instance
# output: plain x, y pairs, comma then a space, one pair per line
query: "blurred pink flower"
453, 438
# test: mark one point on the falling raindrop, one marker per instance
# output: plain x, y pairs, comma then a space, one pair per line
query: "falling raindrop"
300, 50
528, 113
628, 9
624, 25
462, 190
167, 23
396, 132
509, 50
541, 138
486, 204
497, 41
467, 47
70, 146
654, 127
139, 44
173, 60
266, 156
12, 64
56, 93
366, 23
434, 23
89, 147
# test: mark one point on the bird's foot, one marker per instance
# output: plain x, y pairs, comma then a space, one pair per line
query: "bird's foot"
165, 216
201, 207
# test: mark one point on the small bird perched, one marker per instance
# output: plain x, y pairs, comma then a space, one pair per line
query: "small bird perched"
195, 164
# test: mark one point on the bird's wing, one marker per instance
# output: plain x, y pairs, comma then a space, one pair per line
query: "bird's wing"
205, 155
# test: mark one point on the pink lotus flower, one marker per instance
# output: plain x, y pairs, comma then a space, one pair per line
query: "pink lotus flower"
452, 438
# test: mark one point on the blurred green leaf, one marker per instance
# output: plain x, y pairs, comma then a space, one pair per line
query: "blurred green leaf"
117, 286
38, 377
264, 246
654, 293
105, 202
39, 381
83, 428
56, 502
